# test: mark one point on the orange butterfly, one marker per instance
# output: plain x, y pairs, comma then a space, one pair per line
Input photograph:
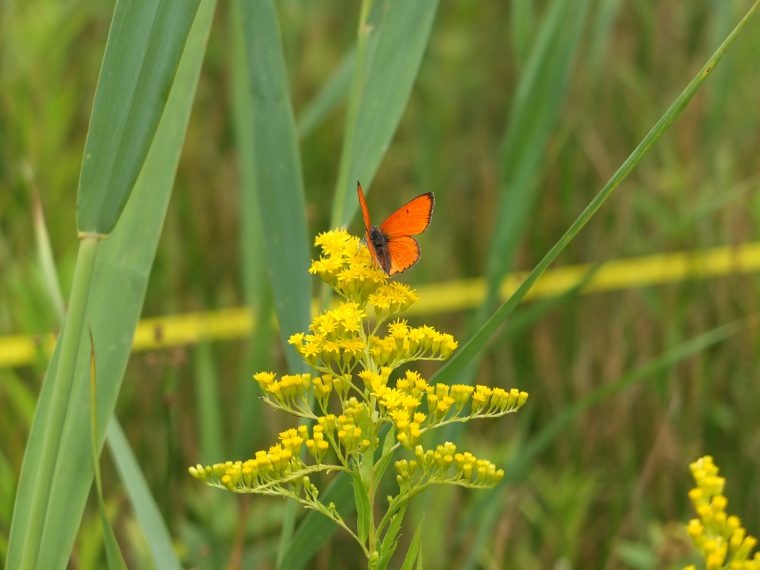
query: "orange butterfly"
391, 244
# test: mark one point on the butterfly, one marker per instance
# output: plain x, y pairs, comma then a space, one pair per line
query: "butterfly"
391, 244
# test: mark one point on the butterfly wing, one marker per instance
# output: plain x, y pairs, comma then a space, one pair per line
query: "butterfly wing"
410, 219
403, 251
365, 210
367, 223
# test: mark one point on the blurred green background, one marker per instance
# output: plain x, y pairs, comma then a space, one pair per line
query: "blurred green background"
606, 492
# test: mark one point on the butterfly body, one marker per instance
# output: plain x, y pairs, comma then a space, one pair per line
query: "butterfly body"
379, 242
392, 244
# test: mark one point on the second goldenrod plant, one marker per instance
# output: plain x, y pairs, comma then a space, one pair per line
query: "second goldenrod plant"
361, 413
720, 538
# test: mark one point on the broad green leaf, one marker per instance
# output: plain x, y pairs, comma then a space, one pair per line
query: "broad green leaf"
476, 343
484, 511
143, 504
276, 166
377, 103
144, 47
120, 272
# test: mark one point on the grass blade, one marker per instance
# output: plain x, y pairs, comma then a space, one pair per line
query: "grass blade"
144, 47
475, 344
208, 405
329, 97
377, 103
536, 107
276, 165
113, 552
120, 272
522, 15
258, 291
142, 501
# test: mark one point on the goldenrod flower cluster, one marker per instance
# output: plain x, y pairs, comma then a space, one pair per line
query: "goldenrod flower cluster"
719, 537
354, 395
267, 471
414, 406
445, 465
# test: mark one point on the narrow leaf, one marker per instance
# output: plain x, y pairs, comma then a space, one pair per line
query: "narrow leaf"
256, 287
276, 165
361, 499
390, 540
532, 118
113, 552
145, 508
329, 96
413, 553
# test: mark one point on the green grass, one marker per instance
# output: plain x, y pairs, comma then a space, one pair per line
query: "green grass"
593, 485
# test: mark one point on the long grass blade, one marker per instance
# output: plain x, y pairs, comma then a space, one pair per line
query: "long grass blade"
208, 405
257, 290
470, 350
120, 272
145, 508
532, 118
144, 47
382, 85
113, 552
276, 165
329, 96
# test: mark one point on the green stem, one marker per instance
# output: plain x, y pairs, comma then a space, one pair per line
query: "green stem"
357, 90
63, 382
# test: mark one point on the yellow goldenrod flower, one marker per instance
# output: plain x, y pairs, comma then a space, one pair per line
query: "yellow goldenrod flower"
720, 538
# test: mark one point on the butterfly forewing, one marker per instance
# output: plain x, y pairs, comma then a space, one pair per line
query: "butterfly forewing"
403, 251
365, 210
367, 223
410, 219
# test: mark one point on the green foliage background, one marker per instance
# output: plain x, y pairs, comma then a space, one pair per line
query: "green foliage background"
604, 491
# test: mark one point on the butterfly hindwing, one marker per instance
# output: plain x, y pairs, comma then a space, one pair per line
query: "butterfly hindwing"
403, 251
410, 219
